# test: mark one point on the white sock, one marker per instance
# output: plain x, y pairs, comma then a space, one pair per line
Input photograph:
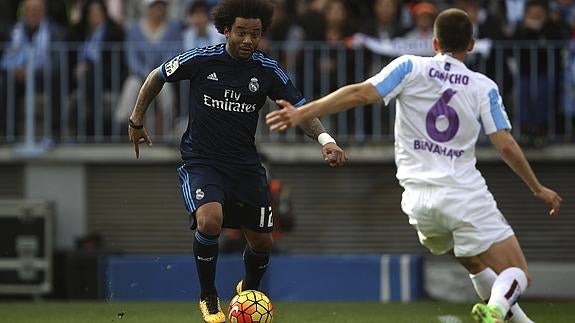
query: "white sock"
483, 282
507, 288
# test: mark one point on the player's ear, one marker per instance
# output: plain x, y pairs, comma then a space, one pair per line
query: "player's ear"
227, 31
436, 45
471, 45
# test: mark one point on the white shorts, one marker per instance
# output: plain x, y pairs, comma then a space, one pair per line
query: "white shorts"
467, 221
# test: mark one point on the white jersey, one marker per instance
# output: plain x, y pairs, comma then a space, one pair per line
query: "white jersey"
441, 106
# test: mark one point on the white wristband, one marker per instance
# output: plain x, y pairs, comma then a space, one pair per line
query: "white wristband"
324, 138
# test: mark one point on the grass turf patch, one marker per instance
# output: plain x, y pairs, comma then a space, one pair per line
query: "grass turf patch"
176, 312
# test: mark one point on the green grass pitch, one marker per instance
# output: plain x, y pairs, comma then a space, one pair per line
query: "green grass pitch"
168, 312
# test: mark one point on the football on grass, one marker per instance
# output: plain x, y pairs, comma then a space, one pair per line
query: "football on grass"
250, 306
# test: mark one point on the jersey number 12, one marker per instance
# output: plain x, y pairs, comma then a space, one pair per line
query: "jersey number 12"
263, 213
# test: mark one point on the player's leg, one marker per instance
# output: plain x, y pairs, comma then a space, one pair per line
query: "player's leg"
256, 257
209, 218
204, 200
254, 213
483, 282
257, 225
481, 232
483, 278
507, 260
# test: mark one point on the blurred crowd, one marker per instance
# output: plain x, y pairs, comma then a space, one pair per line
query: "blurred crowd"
524, 45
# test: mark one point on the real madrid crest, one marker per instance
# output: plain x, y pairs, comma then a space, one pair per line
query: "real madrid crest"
254, 85
199, 194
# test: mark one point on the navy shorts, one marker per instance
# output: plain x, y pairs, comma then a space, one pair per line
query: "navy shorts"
244, 197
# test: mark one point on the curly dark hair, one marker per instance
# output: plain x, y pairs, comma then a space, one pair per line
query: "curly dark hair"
226, 12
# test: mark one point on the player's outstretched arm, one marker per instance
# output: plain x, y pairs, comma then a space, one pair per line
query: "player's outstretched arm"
334, 155
148, 92
513, 156
342, 99
331, 152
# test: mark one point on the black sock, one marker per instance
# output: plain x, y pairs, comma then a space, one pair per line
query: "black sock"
256, 265
206, 256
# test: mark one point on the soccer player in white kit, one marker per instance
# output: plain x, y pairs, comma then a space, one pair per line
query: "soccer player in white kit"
441, 106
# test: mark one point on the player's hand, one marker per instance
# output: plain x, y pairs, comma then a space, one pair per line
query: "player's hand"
286, 117
551, 199
138, 136
333, 155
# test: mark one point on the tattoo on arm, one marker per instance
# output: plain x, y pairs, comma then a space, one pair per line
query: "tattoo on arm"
148, 92
312, 128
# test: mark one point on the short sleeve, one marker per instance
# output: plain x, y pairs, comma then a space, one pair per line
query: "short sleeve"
181, 67
391, 79
283, 87
289, 93
493, 115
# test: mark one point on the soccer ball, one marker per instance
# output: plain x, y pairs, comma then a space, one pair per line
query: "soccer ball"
250, 306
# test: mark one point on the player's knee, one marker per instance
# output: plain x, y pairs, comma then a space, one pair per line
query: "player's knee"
209, 225
526, 273
209, 218
516, 272
261, 243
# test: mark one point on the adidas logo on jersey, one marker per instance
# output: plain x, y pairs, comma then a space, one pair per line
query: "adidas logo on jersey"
213, 77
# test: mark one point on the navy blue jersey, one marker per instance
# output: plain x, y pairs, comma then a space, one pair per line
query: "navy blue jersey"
226, 96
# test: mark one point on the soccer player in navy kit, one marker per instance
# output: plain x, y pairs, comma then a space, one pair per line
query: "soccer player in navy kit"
222, 180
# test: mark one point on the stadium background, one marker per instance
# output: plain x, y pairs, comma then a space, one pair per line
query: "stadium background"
68, 150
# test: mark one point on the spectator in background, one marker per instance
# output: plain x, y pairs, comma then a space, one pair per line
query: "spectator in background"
7, 19
337, 27
382, 27
98, 38
57, 11
283, 28
423, 15
563, 11
338, 23
511, 12
289, 34
132, 10
311, 19
200, 32
114, 8
328, 25
488, 31
337, 63
384, 24
29, 43
540, 70
149, 42
387, 37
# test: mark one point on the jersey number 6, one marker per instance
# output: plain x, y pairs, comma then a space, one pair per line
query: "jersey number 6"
441, 108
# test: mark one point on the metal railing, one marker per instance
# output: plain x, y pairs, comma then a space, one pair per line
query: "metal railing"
54, 103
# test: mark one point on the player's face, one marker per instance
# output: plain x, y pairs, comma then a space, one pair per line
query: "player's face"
243, 37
